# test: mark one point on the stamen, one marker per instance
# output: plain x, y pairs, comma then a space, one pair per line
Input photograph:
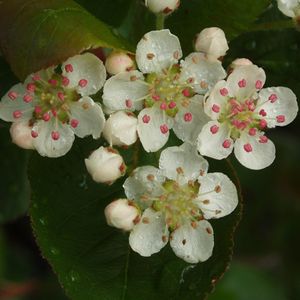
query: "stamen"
55, 135
34, 134
27, 98
248, 148
12, 95
242, 83
69, 68
215, 108
263, 139
82, 83
17, 114
280, 119
259, 84
273, 98
164, 129
188, 117
172, 104
146, 119
252, 131
214, 129
74, 123
31, 87
224, 92
226, 144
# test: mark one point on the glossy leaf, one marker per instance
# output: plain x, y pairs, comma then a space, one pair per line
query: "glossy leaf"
93, 260
35, 34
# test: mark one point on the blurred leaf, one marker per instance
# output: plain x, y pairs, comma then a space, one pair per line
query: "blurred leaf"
93, 260
243, 282
234, 17
14, 186
35, 34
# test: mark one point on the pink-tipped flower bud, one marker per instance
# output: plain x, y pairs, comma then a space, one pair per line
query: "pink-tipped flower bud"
118, 62
165, 7
212, 42
20, 133
121, 129
105, 165
121, 214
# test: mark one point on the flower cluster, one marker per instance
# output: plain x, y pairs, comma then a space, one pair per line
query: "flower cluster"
213, 112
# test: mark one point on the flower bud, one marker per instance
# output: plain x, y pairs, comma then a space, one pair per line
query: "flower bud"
162, 6
105, 165
121, 129
239, 62
121, 214
20, 133
212, 41
118, 62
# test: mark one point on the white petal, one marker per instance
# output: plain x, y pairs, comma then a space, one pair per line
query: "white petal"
188, 130
261, 156
153, 128
46, 145
144, 181
285, 105
87, 73
182, 163
20, 133
193, 244
217, 195
287, 7
157, 50
150, 235
13, 107
217, 100
212, 144
205, 73
245, 80
90, 117
125, 90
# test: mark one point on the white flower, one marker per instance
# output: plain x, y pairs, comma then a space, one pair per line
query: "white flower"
167, 93
162, 6
121, 214
20, 133
105, 165
290, 8
58, 105
240, 111
118, 62
177, 199
121, 129
212, 41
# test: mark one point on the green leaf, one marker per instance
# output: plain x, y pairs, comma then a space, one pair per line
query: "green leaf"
234, 17
14, 186
93, 260
35, 34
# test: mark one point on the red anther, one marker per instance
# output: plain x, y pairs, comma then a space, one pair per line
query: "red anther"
248, 148
263, 139
52, 82
55, 135
273, 98
128, 103
262, 112
224, 92
215, 108
186, 93
30, 87
172, 104
74, 123
61, 96
163, 106
226, 144
258, 84
34, 134
46, 117
263, 124
36, 77
27, 98
37, 109
280, 119
65, 81
82, 83
17, 114
156, 97
242, 83
214, 129
188, 117
252, 131
146, 119
164, 128
69, 68
54, 112
12, 95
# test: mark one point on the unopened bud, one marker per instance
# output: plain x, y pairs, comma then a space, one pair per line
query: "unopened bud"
239, 62
105, 165
121, 129
212, 41
121, 214
118, 62
162, 6
20, 133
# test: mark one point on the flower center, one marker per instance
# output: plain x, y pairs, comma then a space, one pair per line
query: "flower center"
167, 92
240, 116
177, 203
53, 98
